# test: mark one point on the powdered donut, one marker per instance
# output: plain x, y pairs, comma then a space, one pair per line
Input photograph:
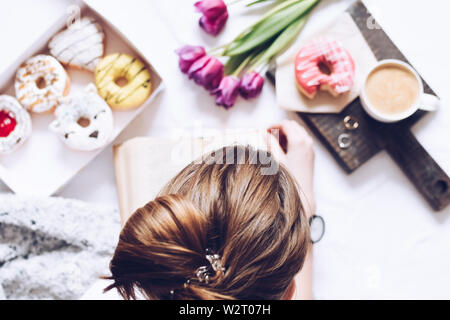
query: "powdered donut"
15, 124
84, 122
80, 45
40, 83
326, 65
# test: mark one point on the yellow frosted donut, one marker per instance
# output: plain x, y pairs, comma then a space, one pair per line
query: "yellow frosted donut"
123, 81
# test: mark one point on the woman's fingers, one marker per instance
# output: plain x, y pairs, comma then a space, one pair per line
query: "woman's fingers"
273, 145
295, 132
278, 133
292, 135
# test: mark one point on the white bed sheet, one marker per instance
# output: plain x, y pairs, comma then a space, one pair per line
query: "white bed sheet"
382, 239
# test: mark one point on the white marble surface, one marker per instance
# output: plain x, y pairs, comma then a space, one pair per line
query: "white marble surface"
382, 239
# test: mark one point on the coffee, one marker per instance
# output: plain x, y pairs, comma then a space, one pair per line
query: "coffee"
392, 89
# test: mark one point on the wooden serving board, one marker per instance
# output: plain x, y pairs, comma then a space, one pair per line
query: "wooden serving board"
372, 136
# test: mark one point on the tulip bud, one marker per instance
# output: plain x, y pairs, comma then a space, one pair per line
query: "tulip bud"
188, 55
251, 85
207, 72
227, 92
214, 15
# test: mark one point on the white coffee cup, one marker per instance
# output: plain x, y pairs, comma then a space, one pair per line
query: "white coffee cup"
423, 100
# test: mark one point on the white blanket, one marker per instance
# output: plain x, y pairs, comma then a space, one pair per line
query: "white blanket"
53, 248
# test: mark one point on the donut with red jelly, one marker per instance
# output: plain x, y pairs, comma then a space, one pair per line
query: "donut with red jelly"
15, 124
324, 64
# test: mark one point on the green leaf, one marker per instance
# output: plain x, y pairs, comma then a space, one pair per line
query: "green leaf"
281, 6
257, 1
233, 63
267, 15
282, 41
270, 27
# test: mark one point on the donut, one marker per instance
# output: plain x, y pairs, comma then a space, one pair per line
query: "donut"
123, 81
15, 124
324, 64
81, 45
84, 122
40, 83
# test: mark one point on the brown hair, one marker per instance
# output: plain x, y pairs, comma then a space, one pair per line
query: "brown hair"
254, 222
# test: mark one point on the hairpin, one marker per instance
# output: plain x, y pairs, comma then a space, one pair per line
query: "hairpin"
214, 260
203, 273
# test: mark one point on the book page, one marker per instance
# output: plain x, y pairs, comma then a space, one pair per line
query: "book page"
144, 165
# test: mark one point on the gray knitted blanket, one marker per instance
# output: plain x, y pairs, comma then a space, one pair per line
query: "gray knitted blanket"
53, 248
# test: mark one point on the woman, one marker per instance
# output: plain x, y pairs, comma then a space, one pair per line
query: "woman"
225, 231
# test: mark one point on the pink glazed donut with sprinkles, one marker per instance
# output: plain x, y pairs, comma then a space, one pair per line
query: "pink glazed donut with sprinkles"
324, 64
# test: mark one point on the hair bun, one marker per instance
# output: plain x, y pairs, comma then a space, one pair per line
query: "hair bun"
164, 245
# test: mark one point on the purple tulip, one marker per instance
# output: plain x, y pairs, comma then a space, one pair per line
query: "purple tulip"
251, 85
211, 9
207, 72
213, 27
227, 92
188, 55
214, 15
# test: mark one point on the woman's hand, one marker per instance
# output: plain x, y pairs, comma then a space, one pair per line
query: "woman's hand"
293, 147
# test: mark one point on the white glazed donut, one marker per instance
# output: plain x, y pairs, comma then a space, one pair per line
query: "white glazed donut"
84, 122
15, 124
40, 83
80, 45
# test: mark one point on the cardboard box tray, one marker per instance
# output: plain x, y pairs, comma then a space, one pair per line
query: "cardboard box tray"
44, 164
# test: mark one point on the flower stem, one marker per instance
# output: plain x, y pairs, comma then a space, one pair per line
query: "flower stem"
211, 51
260, 68
255, 62
241, 67
230, 3
283, 40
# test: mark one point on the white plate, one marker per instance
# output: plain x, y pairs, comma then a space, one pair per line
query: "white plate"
43, 165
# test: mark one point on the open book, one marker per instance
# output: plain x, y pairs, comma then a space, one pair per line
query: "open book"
144, 165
